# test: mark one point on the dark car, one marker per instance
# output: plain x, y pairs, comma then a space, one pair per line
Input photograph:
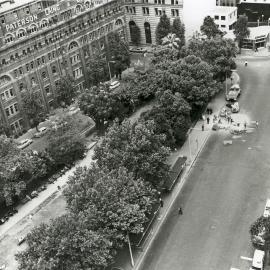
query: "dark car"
2, 221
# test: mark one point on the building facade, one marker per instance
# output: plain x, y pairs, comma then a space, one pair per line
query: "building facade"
225, 17
228, 3
146, 14
41, 41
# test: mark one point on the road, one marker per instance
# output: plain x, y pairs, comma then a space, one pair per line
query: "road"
225, 192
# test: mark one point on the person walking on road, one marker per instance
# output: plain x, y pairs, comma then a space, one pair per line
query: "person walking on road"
202, 127
208, 120
257, 124
180, 212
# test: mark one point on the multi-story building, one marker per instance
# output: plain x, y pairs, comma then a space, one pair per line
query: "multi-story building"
146, 14
40, 41
228, 3
225, 17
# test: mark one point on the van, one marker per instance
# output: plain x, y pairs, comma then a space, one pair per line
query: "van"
258, 260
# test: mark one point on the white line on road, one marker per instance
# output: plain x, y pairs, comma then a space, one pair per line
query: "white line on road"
246, 258
232, 268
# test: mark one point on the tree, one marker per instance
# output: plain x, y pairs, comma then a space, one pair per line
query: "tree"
65, 149
163, 54
66, 91
218, 52
137, 148
178, 28
163, 28
101, 104
135, 34
66, 243
113, 201
119, 52
33, 107
171, 40
260, 233
209, 28
97, 71
241, 30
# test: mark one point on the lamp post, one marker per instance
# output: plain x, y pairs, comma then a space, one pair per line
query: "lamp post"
110, 68
262, 17
258, 22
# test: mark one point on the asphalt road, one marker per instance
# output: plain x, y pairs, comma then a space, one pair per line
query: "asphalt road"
225, 192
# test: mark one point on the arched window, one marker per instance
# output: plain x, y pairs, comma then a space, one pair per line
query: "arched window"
73, 45
87, 4
147, 30
4, 80
78, 8
132, 25
33, 28
21, 33
118, 22
44, 23
9, 38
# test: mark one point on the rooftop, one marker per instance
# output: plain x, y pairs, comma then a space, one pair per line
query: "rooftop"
6, 5
220, 10
258, 31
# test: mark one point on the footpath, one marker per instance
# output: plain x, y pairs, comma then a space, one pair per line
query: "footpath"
247, 53
196, 140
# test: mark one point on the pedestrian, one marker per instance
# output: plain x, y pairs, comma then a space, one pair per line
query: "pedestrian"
161, 202
231, 120
58, 187
202, 127
238, 124
159, 194
245, 125
246, 63
257, 124
208, 120
180, 212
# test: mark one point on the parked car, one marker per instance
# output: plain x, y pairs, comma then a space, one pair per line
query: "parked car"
43, 187
234, 92
138, 49
24, 143
42, 131
114, 85
34, 194
21, 240
235, 107
2, 221
26, 199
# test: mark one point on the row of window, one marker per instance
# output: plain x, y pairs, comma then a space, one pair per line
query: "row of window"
158, 11
7, 95
93, 35
12, 110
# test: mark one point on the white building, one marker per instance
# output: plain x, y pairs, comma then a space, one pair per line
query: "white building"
225, 17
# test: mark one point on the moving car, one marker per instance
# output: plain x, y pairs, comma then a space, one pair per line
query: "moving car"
24, 143
42, 131
234, 92
258, 260
21, 240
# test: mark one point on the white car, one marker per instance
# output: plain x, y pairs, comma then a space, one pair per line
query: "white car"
24, 143
42, 131
114, 85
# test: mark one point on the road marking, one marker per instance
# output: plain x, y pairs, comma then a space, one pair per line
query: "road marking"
232, 268
246, 258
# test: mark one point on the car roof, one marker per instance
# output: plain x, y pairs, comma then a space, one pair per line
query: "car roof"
114, 82
42, 128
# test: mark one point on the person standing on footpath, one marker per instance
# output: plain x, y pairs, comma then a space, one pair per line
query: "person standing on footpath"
208, 120
180, 212
161, 202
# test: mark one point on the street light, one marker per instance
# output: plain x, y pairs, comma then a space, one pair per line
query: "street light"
258, 22
110, 68
262, 17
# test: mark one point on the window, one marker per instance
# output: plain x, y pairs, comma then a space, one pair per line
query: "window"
216, 17
11, 110
158, 12
54, 70
27, 10
20, 71
38, 61
47, 90
2, 20
15, 15
44, 75
21, 86
9, 38
223, 18
175, 12
32, 65
44, 24
77, 73
21, 33
8, 94
33, 81
43, 59
223, 26
145, 10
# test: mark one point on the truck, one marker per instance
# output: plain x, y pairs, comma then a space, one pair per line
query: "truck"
234, 92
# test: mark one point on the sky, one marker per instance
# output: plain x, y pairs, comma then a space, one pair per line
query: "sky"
194, 12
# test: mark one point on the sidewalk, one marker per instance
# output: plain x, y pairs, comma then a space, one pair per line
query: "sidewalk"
192, 147
248, 53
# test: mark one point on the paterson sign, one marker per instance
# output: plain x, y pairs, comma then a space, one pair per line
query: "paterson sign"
20, 23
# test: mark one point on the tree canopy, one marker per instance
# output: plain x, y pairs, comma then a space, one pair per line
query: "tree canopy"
178, 28
209, 28
241, 30
163, 28
137, 148
33, 107
65, 91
